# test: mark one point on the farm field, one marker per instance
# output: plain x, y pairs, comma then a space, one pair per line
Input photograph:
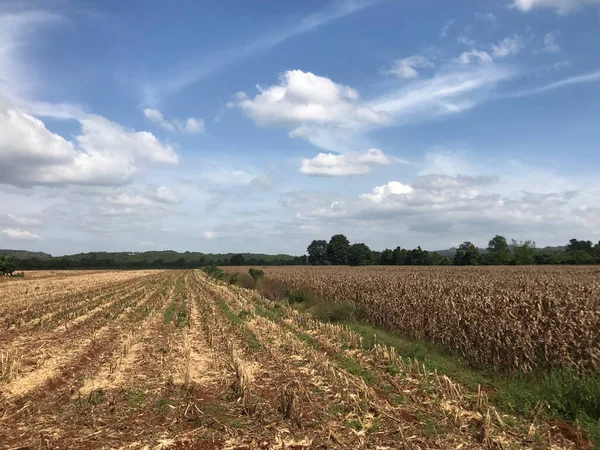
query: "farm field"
515, 319
174, 359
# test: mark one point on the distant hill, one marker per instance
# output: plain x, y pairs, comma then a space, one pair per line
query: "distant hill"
139, 260
24, 254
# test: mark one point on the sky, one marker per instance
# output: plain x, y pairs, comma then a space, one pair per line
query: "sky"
259, 126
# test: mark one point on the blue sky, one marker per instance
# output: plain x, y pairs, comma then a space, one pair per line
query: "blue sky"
259, 126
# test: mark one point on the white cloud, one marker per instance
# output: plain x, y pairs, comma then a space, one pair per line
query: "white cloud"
439, 182
195, 126
163, 194
406, 68
591, 77
302, 97
393, 188
16, 233
486, 17
451, 91
310, 104
104, 153
465, 40
209, 235
550, 44
155, 116
508, 46
24, 220
467, 58
190, 126
328, 164
262, 182
444, 30
560, 6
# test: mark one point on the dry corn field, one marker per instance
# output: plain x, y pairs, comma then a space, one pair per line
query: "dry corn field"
509, 318
173, 359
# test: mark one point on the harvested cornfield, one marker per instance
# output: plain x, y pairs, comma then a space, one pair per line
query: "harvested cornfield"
510, 318
173, 359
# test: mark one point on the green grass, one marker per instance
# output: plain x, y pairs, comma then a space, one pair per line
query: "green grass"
570, 396
136, 397
164, 405
249, 337
169, 313
352, 367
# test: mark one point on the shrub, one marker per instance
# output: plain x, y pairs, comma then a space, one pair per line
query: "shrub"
256, 274
214, 271
338, 312
299, 296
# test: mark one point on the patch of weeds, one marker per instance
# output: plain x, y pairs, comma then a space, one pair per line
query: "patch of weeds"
233, 317
398, 399
273, 314
136, 397
299, 296
393, 369
352, 367
243, 315
337, 409
354, 424
385, 388
169, 313
164, 405
237, 423
96, 397
337, 312
182, 316
147, 311
249, 337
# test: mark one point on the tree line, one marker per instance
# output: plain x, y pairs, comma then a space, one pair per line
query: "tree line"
21, 260
339, 251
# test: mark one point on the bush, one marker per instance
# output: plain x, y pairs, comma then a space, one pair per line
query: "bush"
299, 296
338, 312
214, 271
256, 274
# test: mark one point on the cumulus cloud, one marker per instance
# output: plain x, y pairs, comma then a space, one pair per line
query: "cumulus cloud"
16, 233
310, 105
393, 188
406, 67
331, 165
190, 126
105, 153
560, 6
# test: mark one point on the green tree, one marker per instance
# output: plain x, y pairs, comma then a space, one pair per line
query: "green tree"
466, 255
498, 251
359, 255
317, 252
7, 266
237, 260
523, 252
575, 245
387, 257
337, 250
400, 256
